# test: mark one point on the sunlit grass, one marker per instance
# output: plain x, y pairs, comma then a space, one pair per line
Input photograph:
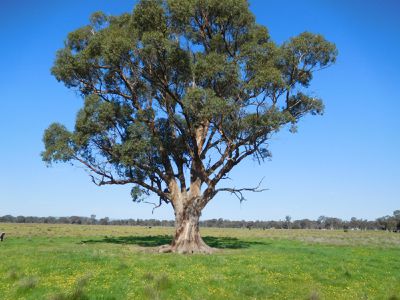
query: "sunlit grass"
119, 262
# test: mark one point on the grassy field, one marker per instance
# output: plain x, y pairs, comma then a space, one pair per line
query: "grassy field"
119, 262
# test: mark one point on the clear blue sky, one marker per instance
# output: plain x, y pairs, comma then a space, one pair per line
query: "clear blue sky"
344, 164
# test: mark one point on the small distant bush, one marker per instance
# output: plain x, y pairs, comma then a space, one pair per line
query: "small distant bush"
314, 296
151, 293
148, 276
163, 282
12, 274
27, 283
77, 293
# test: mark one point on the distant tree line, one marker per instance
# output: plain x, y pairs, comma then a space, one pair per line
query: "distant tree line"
389, 223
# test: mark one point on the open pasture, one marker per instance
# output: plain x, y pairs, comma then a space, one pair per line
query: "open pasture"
40, 261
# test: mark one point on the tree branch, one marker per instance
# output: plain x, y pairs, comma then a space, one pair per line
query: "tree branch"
239, 192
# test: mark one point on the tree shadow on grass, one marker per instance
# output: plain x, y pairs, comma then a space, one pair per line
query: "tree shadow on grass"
159, 240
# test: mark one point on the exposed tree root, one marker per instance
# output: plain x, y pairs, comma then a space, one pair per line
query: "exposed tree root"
187, 248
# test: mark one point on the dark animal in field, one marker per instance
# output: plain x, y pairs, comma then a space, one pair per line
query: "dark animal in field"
2, 236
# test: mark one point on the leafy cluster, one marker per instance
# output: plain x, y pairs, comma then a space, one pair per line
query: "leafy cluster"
180, 91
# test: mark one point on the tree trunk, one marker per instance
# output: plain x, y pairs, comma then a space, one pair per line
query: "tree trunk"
187, 239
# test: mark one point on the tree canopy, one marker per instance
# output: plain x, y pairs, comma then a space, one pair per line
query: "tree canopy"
178, 92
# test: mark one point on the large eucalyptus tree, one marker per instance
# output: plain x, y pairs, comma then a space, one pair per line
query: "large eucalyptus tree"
178, 93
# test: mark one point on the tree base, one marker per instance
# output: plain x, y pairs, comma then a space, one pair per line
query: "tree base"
187, 249
187, 239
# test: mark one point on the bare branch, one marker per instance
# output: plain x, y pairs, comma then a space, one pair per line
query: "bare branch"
239, 192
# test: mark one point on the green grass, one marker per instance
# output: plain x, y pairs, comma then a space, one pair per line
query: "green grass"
118, 262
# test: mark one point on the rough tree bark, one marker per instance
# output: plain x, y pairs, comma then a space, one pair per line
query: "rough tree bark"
187, 239
188, 205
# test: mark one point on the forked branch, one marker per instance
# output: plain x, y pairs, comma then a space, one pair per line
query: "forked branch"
239, 192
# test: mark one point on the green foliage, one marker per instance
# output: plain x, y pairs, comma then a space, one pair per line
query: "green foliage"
203, 104
225, 19
174, 76
302, 54
138, 193
150, 16
58, 144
